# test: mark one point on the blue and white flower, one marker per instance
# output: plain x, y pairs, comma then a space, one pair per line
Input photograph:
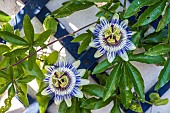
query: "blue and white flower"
64, 80
112, 38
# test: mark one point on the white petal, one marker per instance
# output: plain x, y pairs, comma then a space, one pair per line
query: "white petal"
82, 72
124, 22
92, 44
84, 82
111, 56
57, 102
49, 68
131, 46
68, 102
103, 21
44, 92
76, 64
92, 29
124, 56
116, 16
79, 94
97, 54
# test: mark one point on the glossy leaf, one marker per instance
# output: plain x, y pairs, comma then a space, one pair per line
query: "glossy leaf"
12, 38
161, 102
154, 96
94, 90
102, 77
16, 52
164, 75
11, 91
4, 62
116, 108
71, 7
96, 0
80, 38
147, 59
114, 7
136, 38
152, 13
3, 49
74, 107
32, 59
4, 87
52, 58
4, 74
42, 37
22, 95
136, 107
93, 103
125, 88
84, 44
85, 111
137, 81
4, 17
7, 27
165, 19
50, 23
157, 50
28, 29
112, 82
26, 79
136, 5
63, 107
43, 102
156, 37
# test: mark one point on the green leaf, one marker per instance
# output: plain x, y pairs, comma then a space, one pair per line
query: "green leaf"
165, 19
28, 29
154, 96
4, 75
112, 81
116, 108
3, 48
35, 71
11, 91
7, 27
85, 111
136, 5
4, 17
125, 88
114, 7
4, 62
84, 44
74, 107
12, 38
50, 23
137, 81
164, 75
156, 37
81, 37
26, 79
93, 103
43, 102
95, 0
136, 38
52, 58
147, 59
102, 78
157, 50
32, 59
161, 102
3, 87
22, 95
136, 107
16, 52
100, 13
94, 90
101, 67
42, 37
17, 32
63, 107
152, 13
71, 7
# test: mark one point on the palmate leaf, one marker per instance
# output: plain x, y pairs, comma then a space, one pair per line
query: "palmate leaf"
137, 81
112, 81
165, 19
136, 5
125, 88
151, 13
71, 7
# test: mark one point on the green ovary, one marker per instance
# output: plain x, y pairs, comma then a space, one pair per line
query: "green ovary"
112, 37
60, 80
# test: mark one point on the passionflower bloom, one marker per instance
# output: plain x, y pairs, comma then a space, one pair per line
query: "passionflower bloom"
112, 38
64, 80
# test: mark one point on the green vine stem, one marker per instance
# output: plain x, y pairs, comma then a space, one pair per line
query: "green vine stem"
65, 36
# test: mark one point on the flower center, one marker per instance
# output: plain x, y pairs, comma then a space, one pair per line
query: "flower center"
61, 80
112, 35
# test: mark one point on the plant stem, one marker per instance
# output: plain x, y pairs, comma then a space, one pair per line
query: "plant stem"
65, 36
